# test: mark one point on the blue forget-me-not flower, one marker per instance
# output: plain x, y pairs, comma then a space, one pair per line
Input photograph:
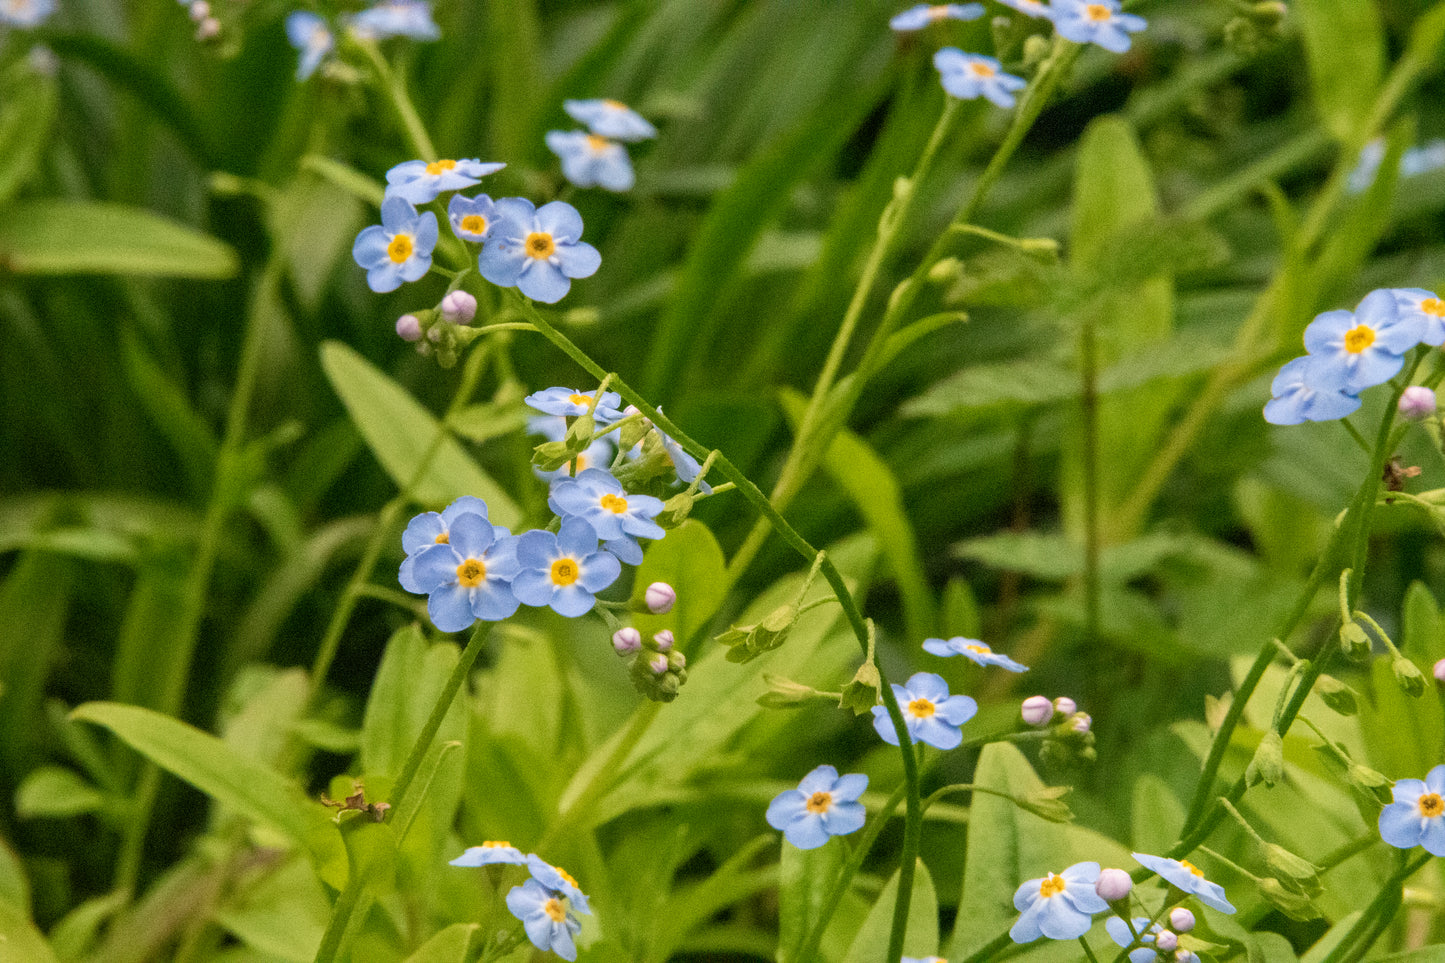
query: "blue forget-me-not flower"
590, 160
1299, 396
1059, 905
537, 250
471, 217
421, 181
1417, 815
563, 570
1366, 347
310, 35
618, 518
1184, 875
546, 918
824, 804
1032, 8
572, 403
610, 118
969, 76
469, 576
1097, 22
490, 853
930, 713
397, 18
399, 249
972, 649
434, 528
920, 16
1427, 307
558, 880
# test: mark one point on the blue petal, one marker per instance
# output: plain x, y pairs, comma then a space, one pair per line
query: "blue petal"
543, 281
1433, 836
786, 807
806, 832
937, 733
533, 587
536, 549
821, 779
422, 531
928, 685
844, 818
450, 608
576, 537
500, 262
884, 726
471, 536
398, 215
383, 278
369, 249
1060, 921
1026, 930
578, 260
599, 570
572, 600
467, 504
560, 220
493, 601
625, 549
850, 787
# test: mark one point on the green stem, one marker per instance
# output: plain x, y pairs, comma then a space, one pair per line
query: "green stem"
1089, 405
1377, 915
1088, 952
341, 912
395, 89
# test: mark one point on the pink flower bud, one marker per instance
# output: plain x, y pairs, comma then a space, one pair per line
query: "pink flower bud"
1439, 671
408, 327
1066, 705
626, 640
459, 307
663, 640
200, 10
1036, 710
1417, 402
1166, 941
1113, 885
208, 28
1082, 722
658, 664
659, 597
1181, 920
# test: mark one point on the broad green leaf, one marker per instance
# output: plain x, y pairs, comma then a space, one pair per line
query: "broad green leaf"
1053, 557
805, 876
20, 941
399, 431
74, 936
689, 905
363, 188
1345, 52
451, 945
920, 939
27, 112
691, 561
55, 792
283, 914
14, 884
1158, 814
1403, 733
58, 237
874, 491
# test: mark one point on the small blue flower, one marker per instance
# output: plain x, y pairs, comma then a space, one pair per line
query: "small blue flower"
973, 650
471, 217
596, 455
548, 921
537, 250
1417, 816
558, 880
1427, 307
1032, 8
1354, 351
1297, 398
685, 465
433, 528
589, 160
1148, 934
969, 76
1060, 906
489, 853
618, 518
1188, 877
469, 576
563, 570
309, 34
420, 182
823, 805
25, 13
397, 18
570, 402
920, 16
610, 118
930, 713
400, 249
1097, 22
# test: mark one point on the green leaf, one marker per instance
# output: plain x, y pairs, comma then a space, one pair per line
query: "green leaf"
920, 938
190, 437
14, 884
59, 237
399, 430
451, 945
1345, 52
74, 936
366, 189
27, 112
691, 561
804, 878
55, 792
282, 914
34, 601
20, 941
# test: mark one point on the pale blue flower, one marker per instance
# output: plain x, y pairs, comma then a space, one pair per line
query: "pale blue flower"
920, 16
570, 402
311, 35
1059, 906
824, 804
558, 880
563, 570
471, 217
434, 528
1298, 398
468, 577
686, 466
1190, 878
1032, 8
972, 649
610, 118
1148, 935
929, 712
618, 518
537, 250
590, 160
1427, 307
420, 181
397, 18
398, 250
25, 13
490, 853
1097, 22
1358, 350
970, 76
1417, 815
546, 918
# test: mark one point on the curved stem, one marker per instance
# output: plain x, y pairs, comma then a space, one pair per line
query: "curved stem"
395, 89
1375, 918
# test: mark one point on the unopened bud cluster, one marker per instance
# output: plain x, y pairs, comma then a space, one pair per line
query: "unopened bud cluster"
658, 669
1071, 734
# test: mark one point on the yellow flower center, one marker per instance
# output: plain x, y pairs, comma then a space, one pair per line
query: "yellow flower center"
578, 464
554, 908
474, 224
1359, 338
580, 399
597, 144
613, 503
920, 708
1192, 868
471, 573
1052, 886
1097, 12
981, 69
496, 844
615, 104
436, 168
443, 539
1433, 306
540, 245
979, 649
564, 572
400, 248
820, 802
937, 12
567, 876
1430, 805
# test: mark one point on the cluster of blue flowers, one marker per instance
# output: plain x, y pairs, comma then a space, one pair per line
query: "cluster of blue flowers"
314, 38
969, 76
1352, 351
596, 157
544, 903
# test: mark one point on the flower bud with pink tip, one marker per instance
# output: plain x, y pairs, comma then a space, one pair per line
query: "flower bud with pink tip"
660, 598
1036, 710
1113, 885
626, 640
